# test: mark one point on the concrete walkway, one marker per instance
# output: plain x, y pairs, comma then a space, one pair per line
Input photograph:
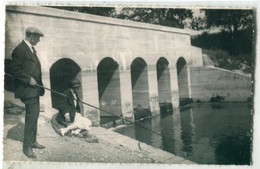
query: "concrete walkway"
56, 145
158, 155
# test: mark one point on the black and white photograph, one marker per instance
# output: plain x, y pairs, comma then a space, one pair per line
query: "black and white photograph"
108, 84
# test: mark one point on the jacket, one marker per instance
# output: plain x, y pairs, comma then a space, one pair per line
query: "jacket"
24, 66
66, 105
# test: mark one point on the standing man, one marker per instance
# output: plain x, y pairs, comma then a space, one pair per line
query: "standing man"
26, 69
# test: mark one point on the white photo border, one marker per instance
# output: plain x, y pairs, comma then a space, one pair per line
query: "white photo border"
255, 4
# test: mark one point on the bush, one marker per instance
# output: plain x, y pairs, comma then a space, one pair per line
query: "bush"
228, 52
222, 59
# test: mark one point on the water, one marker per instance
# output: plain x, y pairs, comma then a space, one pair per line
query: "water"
206, 133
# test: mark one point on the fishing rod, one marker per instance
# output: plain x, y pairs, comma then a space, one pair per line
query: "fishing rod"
90, 105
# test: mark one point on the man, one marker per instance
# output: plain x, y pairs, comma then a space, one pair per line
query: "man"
70, 103
26, 69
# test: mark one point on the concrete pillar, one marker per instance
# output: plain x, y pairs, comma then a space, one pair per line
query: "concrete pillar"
189, 80
153, 90
126, 94
90, 95
174, 87
46, 99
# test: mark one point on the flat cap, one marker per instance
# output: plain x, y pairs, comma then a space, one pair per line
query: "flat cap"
75, 83
34, 30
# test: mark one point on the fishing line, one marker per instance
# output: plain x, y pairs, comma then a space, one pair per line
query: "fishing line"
61, 94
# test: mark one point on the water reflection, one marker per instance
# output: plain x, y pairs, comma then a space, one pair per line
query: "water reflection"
233, 150
143, 132
203, 133
167, 132
187, 131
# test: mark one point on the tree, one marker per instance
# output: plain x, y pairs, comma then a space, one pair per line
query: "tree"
198, 23
102, 11
230, 20
161, 16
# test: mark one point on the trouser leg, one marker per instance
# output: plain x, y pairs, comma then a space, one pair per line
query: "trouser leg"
35, 131
32, 108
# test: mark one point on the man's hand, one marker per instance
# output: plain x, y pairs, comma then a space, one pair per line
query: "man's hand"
67, 117
33, 82
63, 131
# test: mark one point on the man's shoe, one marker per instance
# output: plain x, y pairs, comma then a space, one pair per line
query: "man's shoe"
37, 145
29, 152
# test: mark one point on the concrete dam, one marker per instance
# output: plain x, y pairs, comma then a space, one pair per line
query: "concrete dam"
123, 66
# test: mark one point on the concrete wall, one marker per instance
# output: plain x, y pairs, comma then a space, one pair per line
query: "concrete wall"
87, 39
207, 82
196, 56
92, 38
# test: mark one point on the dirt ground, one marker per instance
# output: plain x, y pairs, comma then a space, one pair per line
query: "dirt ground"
58, 148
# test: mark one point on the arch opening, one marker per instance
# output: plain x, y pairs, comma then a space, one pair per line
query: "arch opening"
164, 85
140, 89
61, 73
109, 90
182, 73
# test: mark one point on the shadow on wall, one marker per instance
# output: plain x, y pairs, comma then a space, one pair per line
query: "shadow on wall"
164, 83
8, 81
140, 89
183, 85
109, 90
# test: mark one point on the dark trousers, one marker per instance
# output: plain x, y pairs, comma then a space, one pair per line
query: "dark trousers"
32, 108
61, 118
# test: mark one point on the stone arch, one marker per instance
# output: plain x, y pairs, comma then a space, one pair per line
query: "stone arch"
140, 88
109, 90
183, 81
164, 83
61, 73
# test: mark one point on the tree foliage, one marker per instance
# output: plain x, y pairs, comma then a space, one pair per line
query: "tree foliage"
161, 16
198, 23
102, 11
230, 20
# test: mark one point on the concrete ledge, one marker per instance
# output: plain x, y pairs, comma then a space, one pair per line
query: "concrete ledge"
58, 13
158, 155
229, 71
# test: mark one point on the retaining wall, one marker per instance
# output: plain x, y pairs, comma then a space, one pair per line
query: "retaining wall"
207, 82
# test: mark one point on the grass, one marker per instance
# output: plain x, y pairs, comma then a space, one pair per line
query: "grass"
223, 59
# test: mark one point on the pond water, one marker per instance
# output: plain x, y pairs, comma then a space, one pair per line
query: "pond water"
206, 133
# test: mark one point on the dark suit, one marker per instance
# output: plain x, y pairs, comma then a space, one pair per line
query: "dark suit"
67, 105
25, 65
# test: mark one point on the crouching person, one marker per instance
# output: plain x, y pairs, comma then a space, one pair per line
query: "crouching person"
80, 124
69, 104
69, 115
